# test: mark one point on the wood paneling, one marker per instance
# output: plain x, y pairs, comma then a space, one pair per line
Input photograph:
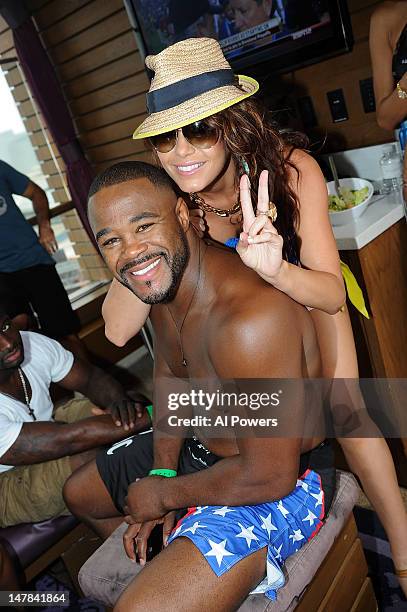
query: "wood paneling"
81, 20
47, 13
96, 59
388, 295
102, 55
343, 72
90, 38
111, 133
129, 107
109, 73
110, 94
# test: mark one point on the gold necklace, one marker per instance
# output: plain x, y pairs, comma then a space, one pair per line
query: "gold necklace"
179, 329
220, 212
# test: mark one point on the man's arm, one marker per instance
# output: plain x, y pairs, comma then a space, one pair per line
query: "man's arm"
44, 441
41, 208
166, 448
95, 384
266, 345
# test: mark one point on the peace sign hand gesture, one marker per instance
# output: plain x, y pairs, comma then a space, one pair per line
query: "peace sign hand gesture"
260, 246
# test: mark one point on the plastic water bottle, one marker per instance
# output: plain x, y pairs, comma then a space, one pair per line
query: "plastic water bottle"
392, 170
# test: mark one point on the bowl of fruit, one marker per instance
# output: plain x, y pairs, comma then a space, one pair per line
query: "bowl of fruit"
346, 206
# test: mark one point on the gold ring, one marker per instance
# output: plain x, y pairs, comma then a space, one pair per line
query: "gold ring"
271, 212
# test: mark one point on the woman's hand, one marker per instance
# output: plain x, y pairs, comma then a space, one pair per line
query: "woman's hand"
260, 246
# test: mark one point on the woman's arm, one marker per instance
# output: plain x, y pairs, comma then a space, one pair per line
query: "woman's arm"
124, 314
390, 109
319, 283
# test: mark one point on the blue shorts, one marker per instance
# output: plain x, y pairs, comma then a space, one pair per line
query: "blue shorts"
227, 534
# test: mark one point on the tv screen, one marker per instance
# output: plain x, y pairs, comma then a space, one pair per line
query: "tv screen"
264, 35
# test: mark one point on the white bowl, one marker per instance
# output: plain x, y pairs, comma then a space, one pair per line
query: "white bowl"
342, 217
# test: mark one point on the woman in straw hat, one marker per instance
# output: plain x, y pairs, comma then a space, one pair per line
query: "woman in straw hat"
211, 137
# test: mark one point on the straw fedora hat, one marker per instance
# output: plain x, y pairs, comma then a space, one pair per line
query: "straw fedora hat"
192, 80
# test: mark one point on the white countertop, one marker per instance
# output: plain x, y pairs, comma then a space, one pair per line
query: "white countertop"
381, 213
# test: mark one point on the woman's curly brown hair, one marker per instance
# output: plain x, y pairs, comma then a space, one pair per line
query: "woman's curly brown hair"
249, 132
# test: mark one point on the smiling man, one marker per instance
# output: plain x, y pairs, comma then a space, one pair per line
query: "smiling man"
247, 510
38, 454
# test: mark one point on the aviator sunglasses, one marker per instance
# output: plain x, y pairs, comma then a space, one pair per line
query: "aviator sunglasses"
199, 134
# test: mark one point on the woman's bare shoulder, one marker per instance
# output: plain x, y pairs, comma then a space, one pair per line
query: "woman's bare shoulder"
388, 12
302, 166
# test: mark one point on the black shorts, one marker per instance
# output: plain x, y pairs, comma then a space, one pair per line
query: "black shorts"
132, 459
39, 289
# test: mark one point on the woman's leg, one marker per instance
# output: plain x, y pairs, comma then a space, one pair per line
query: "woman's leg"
369, 458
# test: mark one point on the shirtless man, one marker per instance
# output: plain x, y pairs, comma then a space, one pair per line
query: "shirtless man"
207, 324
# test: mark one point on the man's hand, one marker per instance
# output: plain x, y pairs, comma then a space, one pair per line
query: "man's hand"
144, 501
260, 246
47, 238
126, 411
135, 538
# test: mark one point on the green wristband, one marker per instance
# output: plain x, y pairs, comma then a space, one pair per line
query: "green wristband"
163, 472
150, 412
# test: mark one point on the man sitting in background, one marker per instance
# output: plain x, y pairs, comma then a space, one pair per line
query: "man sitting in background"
27, 271
38, 454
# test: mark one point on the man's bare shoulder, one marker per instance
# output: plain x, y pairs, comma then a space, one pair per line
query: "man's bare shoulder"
242, 295
251, 322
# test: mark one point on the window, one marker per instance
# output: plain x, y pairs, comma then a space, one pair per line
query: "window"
26, 144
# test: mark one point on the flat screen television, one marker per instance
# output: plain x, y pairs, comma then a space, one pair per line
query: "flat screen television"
266, 36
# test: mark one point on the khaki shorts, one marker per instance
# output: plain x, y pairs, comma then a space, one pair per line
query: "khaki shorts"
33, 493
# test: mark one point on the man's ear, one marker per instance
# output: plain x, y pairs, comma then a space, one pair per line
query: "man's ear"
182, 212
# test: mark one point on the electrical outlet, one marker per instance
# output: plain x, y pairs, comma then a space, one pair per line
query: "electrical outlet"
337, 104
367, 95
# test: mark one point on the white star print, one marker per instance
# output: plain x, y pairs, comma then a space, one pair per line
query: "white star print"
176, 532
247, 533
275, 577
223, 511
310, 517
218, 550
296, 536
199, 509
278, 553
283, 510
303, 484
267, 524
318, 497
194, 527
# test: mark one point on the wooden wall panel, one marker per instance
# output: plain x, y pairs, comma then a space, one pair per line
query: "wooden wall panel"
81, 20
130, 106
96, 59
102, 55
110, 94
109, 73
47, 13
343, 72
87, 39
